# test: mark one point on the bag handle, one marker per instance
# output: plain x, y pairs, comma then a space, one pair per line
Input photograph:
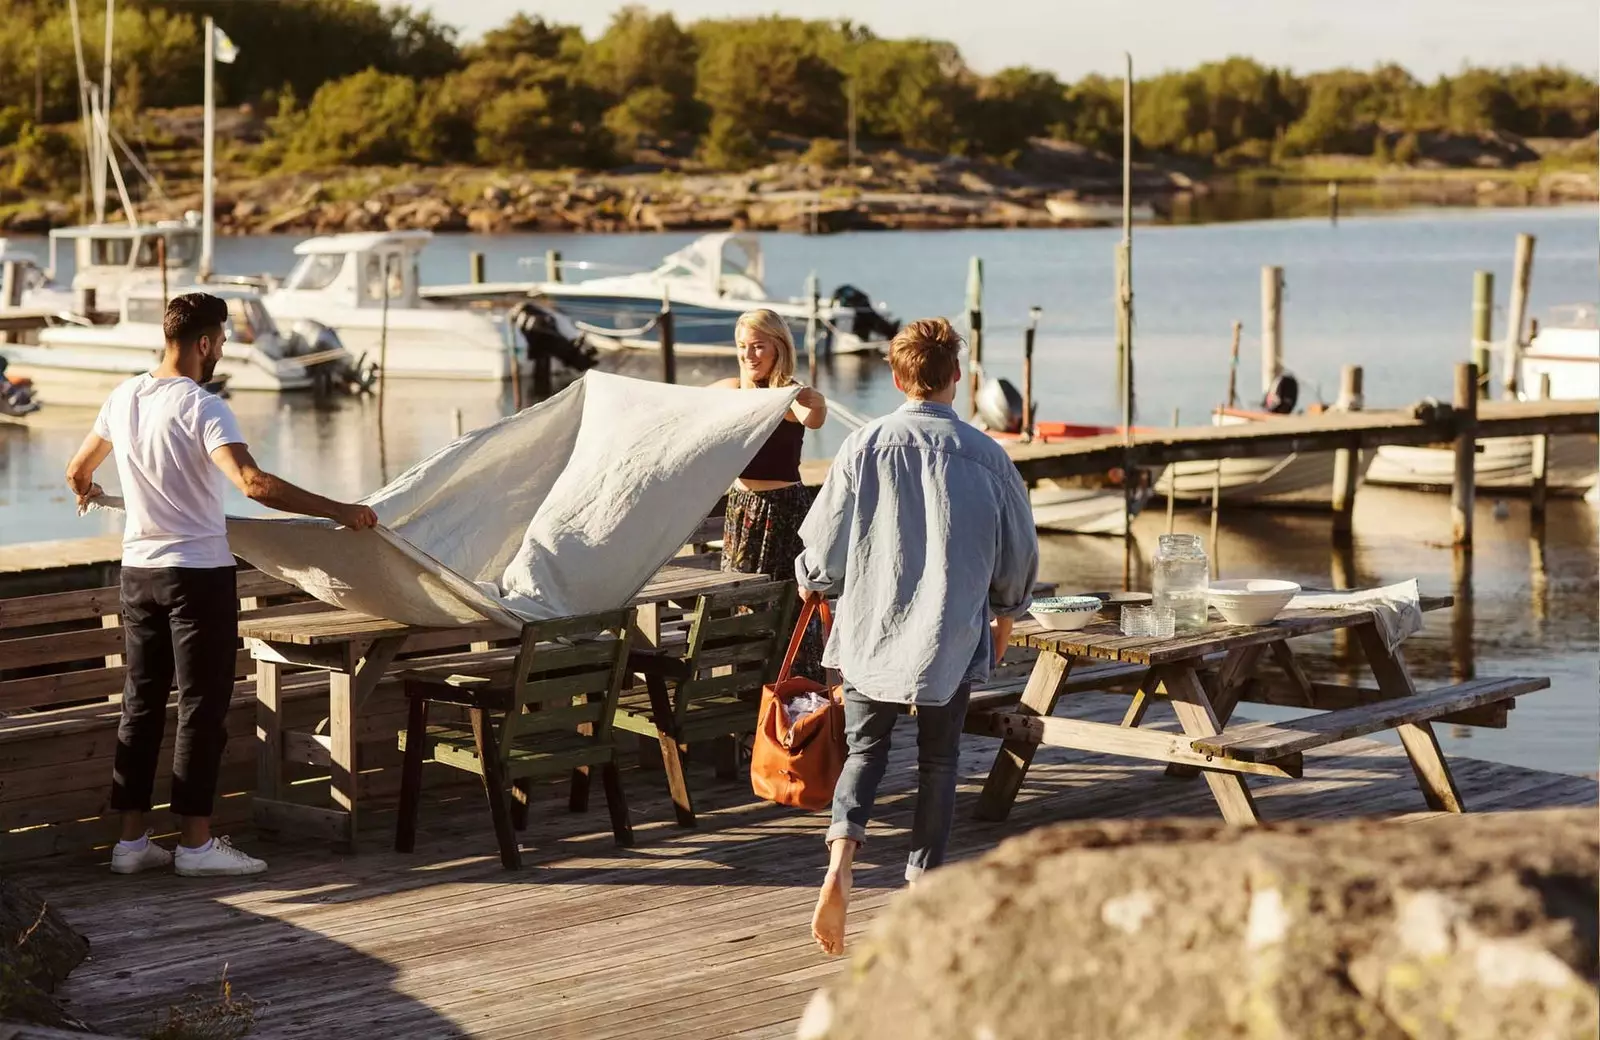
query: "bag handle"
815, 602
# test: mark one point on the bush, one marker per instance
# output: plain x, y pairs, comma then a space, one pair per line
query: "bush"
538, 126
1380, 149
43, 159
731, 146
13, 121
825, 153
1406, 150
365, 119
646, 115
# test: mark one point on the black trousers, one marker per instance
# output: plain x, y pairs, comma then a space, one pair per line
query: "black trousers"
180, 624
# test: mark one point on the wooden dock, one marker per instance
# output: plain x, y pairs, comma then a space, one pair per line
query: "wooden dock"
693, 934
1330, 431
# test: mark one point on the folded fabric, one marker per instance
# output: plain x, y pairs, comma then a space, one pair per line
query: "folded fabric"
1396, 609
567, 507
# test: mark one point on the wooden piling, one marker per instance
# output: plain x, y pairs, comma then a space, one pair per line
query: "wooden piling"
811, 325
552, 265
669, 360
1466, 418
477, 268
1521, 278
161, 262
1233, 366
1482, 324
383, 373
1216, 520
1172, 497
1271, 326
1346, 469
455, 422
1027, 373
10, 293
975, 329
1462, 664
1539, 489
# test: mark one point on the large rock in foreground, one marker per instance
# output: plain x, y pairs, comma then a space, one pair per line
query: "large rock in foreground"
1469, 928
37, 950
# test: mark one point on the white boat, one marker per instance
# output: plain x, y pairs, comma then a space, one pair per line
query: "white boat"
1080, 510
341, 281
1302, 480
1073, 210
1569, 353
111, 259
257, 354
709, 282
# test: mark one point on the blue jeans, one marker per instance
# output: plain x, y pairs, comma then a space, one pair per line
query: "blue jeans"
868, 724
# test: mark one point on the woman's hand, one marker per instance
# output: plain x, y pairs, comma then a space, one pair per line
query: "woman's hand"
810, 408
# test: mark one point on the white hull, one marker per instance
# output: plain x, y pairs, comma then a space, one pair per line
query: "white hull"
61, 379
1081, 510
1502, 463
427, 353
96, 351
1303, 479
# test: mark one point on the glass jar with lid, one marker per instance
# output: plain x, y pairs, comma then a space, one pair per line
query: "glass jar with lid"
1181, 576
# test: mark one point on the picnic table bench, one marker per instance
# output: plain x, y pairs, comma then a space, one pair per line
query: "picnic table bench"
356, 651
1204, 676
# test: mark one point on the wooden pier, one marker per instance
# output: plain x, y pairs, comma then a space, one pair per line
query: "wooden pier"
692, 934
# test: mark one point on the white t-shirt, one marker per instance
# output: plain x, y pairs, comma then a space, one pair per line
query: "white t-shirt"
162, 432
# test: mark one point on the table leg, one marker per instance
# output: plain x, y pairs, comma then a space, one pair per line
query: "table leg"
1422, 746
1195, 714
1141, 701
1285, 660
1232, 674
269, 731
1012, 760
346, 692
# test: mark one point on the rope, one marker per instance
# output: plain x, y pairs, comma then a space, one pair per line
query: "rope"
648, 326
854, 420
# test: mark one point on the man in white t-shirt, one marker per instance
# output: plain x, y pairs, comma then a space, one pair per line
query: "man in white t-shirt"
174, 442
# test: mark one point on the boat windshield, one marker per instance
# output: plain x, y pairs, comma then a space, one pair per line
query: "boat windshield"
183, 249
110, 252
249, 320
316, 271
145, 310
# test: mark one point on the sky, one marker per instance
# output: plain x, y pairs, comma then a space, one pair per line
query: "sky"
1074, 37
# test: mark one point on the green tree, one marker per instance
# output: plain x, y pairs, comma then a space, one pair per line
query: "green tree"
531, 38
43, 159
1015, 104
362, 119
917, 92
648, 114
640, 50
768, 75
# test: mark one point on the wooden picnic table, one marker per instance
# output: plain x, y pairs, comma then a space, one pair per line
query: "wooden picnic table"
1204, 700
356, 651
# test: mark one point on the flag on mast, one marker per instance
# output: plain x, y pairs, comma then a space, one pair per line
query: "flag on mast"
226, 51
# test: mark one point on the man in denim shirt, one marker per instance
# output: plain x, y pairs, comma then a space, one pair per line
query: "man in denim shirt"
924, 531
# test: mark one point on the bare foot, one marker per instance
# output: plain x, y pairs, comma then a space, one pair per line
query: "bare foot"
827, 921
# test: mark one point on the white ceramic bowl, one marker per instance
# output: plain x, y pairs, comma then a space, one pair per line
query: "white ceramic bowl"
1065, 613
1251, 601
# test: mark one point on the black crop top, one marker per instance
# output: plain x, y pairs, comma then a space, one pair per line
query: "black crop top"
779, 458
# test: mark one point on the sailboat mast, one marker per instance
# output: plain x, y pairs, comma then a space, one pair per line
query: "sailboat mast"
208, 175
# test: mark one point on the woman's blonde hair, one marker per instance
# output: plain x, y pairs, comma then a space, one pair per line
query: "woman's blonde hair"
774, 329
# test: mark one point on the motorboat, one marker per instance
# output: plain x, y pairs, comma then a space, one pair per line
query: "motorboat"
258, 355
708, 284
364, 286
1568, 351
112, 260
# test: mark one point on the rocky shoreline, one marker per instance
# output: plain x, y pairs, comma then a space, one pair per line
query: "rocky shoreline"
1058, 185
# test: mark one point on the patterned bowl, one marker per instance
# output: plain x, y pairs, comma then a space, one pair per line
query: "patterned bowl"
1065, 613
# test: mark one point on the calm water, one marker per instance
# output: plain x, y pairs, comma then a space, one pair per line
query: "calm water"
1391, 293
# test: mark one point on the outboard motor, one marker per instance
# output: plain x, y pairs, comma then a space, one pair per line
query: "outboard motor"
15, 398
1283, 395
549, 334
1000, 406
353, 375
867, 322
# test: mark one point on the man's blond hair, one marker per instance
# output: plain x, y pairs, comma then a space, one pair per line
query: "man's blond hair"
926, 357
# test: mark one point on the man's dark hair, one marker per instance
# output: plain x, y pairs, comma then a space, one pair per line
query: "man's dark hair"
191, 316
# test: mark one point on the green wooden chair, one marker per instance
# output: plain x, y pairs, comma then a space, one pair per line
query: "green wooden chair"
710, 688
545, 713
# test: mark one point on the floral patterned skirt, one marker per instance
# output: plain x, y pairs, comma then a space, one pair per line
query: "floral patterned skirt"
761, 535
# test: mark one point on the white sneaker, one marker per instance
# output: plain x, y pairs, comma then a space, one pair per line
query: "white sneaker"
131, 861
220, 860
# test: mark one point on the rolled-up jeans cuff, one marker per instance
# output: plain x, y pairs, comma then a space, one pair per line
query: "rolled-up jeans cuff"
855, 832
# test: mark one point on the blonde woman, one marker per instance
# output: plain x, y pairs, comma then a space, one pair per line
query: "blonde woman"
761, 533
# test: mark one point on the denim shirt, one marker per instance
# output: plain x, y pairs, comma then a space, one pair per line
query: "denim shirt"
924, 531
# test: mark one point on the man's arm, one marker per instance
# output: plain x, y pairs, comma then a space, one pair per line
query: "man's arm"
274, 492
1016, 568
825, 532
80, 471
